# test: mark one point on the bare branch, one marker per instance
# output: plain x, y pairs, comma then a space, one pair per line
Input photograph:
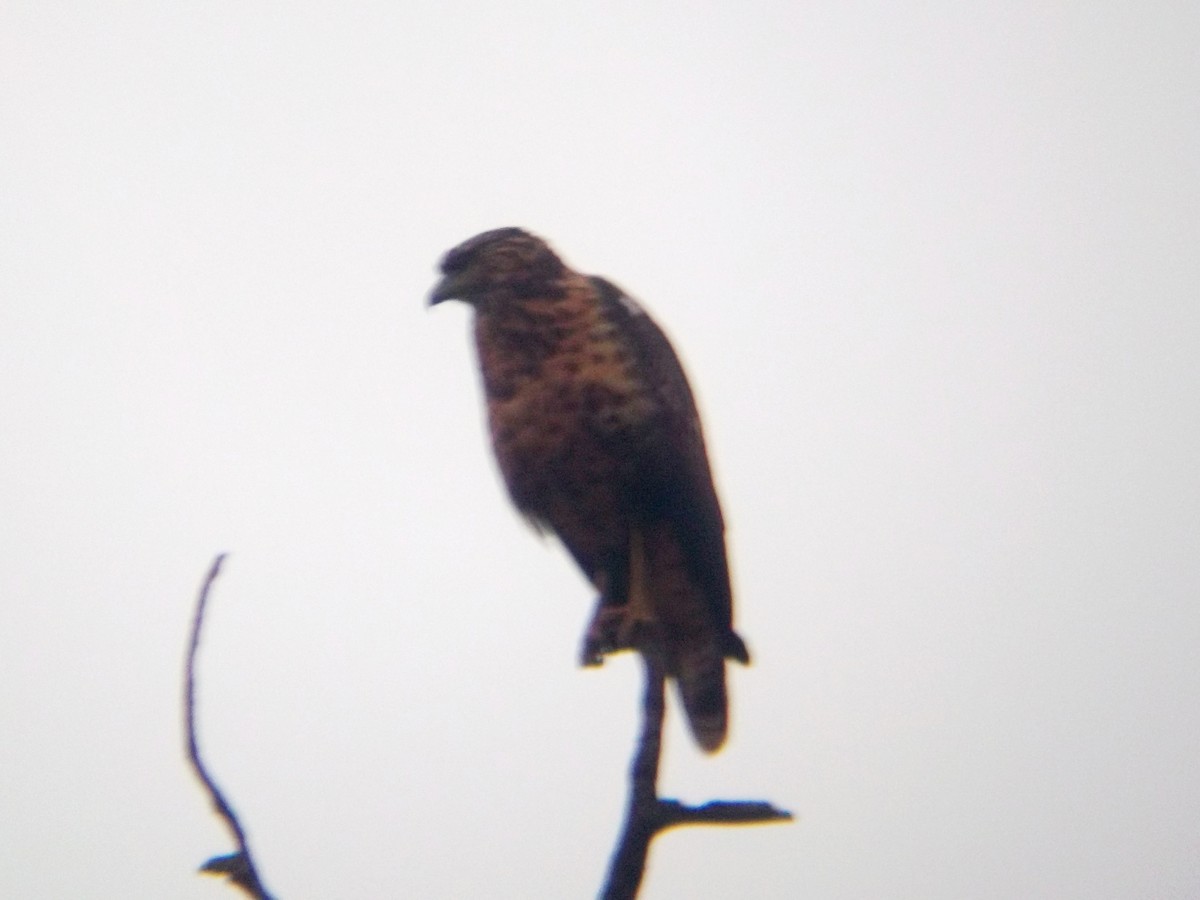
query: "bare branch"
238, 866
721, 812
647, 814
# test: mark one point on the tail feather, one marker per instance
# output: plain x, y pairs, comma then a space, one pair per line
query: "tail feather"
695, 646
700, 679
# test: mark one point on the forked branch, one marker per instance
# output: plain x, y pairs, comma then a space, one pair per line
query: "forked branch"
647, 814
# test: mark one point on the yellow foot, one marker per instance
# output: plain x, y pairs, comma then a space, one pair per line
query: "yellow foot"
613, 629
625, 627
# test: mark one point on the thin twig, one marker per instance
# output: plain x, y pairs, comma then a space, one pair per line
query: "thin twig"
647, 814
238, 866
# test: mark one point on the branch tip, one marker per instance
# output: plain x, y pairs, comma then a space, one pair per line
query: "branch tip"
239, 866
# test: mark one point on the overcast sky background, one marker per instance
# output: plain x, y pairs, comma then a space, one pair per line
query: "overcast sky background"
933, 269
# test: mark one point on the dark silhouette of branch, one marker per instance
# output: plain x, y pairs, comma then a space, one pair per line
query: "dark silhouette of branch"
647, 814
239, 865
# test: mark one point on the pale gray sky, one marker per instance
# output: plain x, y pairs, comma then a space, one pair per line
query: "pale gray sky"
933, 268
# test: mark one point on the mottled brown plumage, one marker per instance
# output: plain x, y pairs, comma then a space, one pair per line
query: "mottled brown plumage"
598, 439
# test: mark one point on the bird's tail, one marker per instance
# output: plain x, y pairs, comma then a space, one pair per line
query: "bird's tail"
700, 677
694, 647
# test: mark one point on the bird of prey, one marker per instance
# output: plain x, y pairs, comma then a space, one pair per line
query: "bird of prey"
598, 439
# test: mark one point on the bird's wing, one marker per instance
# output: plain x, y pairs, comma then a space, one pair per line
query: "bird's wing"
676, 481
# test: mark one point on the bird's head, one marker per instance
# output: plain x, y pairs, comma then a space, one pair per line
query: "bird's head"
504, 263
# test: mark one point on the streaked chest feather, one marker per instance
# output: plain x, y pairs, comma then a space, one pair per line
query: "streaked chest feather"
564, 391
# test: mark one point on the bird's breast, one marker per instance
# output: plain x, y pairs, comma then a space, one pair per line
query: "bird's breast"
566, 405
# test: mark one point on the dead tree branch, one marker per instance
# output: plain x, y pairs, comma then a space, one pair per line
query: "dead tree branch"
237, 866
647, 814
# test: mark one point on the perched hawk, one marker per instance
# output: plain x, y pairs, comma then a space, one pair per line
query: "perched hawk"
599, 441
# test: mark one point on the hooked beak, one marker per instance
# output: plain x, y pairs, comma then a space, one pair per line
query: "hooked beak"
449, 288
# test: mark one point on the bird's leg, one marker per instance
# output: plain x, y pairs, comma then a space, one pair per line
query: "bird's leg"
624, 614
639, 615
601, 635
